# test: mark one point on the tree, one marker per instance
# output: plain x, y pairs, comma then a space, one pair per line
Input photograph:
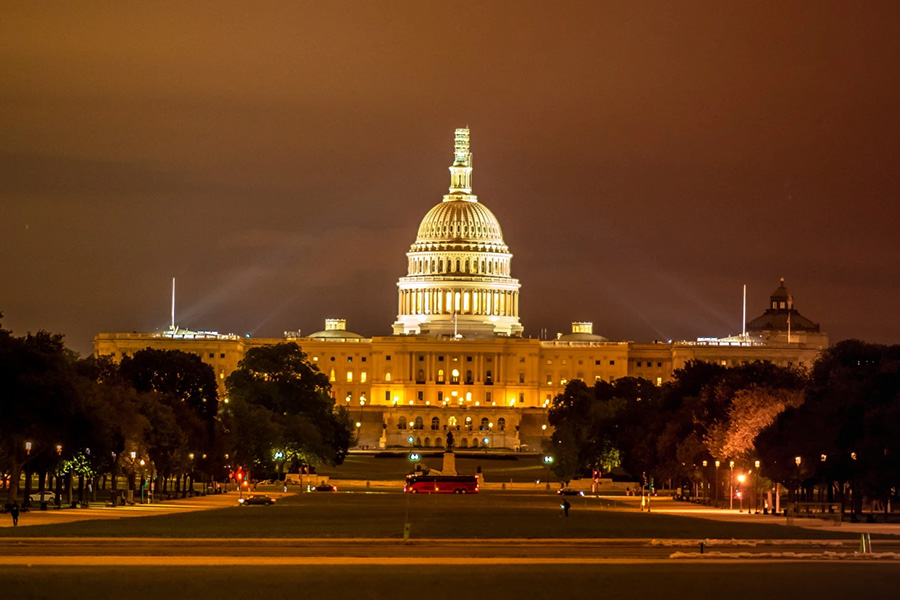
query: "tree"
280, 402
37, 401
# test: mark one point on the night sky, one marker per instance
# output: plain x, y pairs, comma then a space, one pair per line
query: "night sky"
645, 160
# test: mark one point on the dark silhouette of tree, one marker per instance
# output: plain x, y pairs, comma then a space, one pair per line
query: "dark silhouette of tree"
280, 402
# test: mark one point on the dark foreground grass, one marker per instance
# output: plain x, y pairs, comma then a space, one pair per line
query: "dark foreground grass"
772, 581
382, 515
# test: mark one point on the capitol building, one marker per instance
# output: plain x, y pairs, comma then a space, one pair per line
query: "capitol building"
457, 359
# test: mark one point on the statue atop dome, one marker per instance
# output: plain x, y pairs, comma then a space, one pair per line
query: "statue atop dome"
461, 170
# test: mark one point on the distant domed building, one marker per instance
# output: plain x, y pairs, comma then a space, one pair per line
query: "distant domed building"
458, 280
783, 323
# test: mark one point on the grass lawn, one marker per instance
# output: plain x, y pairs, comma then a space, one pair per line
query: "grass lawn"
382, 515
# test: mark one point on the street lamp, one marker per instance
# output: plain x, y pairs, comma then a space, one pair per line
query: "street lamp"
717, 483
705, 494
798, 460
756, 488
58, 474
548, 460
731, 486
740, 492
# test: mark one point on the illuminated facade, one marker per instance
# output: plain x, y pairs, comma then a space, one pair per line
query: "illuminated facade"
457, 360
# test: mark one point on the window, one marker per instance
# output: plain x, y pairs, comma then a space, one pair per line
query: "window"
222, 355
638, 363
420, 376
612, 363
420, 395
596, 362
440, 396
468, 359
659, 364
501, 424
521, 377
484, 424
487, 397
420, 424
440, 376
440, 359
349, 359
469, 423
454, 376
363, 359
331, 377
212, 354
362, 377
549, 378
469, 378
421, 358
659, 381
451, 421
435, 423
388, 357
488, 378
387, 396
521, 398
387, 375
349, 376
521, 359
401, 423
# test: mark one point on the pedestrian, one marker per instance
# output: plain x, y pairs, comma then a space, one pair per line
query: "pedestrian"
564, 508
14, 511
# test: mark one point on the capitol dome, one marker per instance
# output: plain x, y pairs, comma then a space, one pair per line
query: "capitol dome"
458, 278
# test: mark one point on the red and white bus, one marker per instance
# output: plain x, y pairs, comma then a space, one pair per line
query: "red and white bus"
441, 484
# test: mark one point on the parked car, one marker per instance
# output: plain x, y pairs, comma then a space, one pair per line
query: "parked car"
38, 497
325, 487
256, 499
569, 492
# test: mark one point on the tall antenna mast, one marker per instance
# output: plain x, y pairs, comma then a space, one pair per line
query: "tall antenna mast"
744, 319
173, 304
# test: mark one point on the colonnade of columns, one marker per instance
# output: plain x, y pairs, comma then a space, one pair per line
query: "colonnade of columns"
500, 303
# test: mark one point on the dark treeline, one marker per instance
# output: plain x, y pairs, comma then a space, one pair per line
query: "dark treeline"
830, 434
156, 418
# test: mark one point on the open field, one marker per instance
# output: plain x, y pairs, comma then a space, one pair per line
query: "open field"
488, 515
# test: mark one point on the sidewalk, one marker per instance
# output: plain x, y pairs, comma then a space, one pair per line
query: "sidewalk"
100, 510
665, 505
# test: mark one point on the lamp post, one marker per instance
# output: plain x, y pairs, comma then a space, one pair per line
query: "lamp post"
756, 487
548, 460
740, 492
798, 460
731, 486
58, 475
705, 494
717, 483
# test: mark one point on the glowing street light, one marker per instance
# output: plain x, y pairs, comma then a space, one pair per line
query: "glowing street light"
740, 492
731, 486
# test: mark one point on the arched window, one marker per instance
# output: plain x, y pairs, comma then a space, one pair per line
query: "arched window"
420, 376
440, 376
420, 424
469, 423
501, 424
387, 375
469, 379
401, 423
484, 424
464, 443
451, 421
428, 442
457, 265
488, 378
454, 376
418, 441
439, 442
435, 423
